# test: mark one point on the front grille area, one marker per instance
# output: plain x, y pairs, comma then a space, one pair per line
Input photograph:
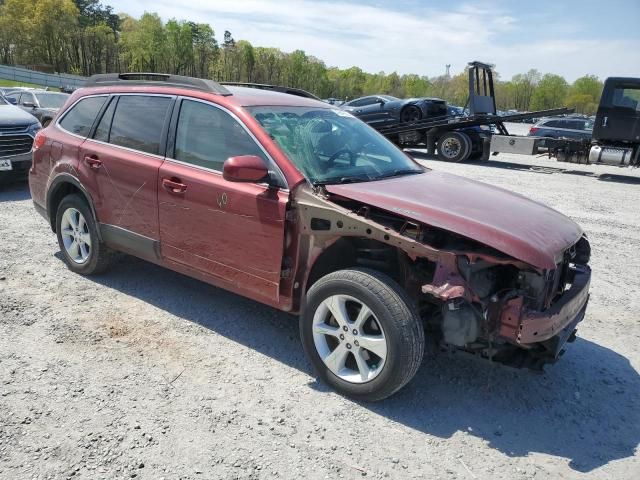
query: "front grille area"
13, 128
15, 144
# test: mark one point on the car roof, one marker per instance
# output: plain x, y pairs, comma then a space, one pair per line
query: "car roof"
546, 119
245, 96
238, 96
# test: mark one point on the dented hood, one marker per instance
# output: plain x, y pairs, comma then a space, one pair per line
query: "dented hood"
515, 225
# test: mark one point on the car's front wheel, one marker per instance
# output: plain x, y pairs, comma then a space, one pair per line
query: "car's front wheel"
362, 333
78, 238
410, 114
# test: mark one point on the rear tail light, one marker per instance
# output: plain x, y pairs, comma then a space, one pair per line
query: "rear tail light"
38, 142
533, 130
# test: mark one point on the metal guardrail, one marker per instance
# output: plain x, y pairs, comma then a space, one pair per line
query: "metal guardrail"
58, 80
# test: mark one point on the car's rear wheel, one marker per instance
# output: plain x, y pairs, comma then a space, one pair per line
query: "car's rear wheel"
410, 114
78, 238
362, 333
454, 147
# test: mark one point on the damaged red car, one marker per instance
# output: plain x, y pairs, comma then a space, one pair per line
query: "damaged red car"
299, 205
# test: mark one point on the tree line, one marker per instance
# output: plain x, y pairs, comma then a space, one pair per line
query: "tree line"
84, 37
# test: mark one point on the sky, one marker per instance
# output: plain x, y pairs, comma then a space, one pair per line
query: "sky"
571, 38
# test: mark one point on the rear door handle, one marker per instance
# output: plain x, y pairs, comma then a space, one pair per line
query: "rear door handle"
93, 162
604, 121
173, 185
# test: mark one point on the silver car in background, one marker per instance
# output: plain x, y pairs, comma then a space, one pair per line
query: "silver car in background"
563, 127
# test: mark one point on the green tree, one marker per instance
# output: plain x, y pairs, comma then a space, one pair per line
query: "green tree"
205, 49
247, 61
524, 85
144, 43
415, 86
584, 94
179, 47
550, 92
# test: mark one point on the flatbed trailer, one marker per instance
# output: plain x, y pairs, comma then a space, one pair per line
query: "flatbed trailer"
461, 138
429, 131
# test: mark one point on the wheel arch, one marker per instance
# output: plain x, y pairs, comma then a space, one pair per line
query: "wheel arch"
351, 252
63, 185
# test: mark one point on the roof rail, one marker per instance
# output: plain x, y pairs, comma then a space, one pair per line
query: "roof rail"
276, 88
157, 79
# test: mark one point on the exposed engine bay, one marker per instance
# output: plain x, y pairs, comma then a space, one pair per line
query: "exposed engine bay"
472, 297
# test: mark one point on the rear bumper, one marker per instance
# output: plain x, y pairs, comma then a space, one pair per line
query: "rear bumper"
554, 326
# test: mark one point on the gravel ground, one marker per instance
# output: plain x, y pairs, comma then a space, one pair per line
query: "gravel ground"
144, 373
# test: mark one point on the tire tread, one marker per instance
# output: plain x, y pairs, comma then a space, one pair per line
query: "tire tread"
403, 312
104, 256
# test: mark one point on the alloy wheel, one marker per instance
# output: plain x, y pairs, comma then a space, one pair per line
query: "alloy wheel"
75, 235
349, 339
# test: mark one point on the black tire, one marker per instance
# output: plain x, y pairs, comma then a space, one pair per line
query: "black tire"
454, 147
46, 122
410, 114
99, 255
397, 315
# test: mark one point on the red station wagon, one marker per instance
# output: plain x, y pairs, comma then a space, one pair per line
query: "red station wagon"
297, 204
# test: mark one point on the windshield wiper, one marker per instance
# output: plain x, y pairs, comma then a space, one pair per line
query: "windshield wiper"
341, 180
400, 171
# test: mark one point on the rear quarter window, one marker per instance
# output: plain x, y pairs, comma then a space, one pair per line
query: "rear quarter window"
80, 117
362, 102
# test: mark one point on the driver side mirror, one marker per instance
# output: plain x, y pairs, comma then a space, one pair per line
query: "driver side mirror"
29, 105
244, 168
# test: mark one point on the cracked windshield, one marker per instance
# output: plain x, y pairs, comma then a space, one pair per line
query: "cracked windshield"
332, 146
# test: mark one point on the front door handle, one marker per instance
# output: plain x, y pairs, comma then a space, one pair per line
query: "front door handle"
604, 121
93, 162
173, 185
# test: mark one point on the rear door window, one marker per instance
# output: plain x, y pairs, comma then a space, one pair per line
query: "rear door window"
79, 119
206, 136
138, 122
554, 124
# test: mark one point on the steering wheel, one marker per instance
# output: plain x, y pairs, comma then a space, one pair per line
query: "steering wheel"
332, 159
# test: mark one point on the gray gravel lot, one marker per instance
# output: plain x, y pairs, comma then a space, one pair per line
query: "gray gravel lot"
145, 373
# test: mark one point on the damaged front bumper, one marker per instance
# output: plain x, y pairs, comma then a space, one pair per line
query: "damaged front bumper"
546, 332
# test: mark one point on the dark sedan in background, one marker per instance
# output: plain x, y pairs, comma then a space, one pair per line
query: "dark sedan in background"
41, 104
379, 110
563, 127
